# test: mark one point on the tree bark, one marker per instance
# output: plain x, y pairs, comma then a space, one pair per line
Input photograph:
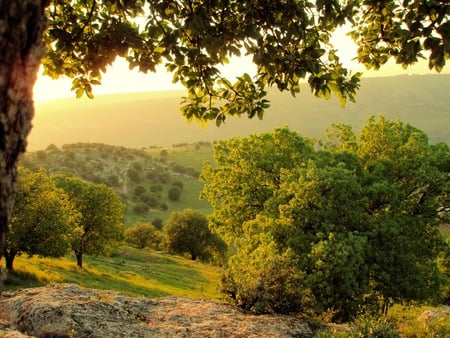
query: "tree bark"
79, 256
22, 24
9, 258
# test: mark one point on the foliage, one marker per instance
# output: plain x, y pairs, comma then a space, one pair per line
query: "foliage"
99, 227
143, 235
288, 42
264, 280
174, 193
358, 216
187, 232
41, 220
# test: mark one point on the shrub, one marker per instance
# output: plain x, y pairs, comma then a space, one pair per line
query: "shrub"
139, 190
150, 200
143, 235
134, 175
158, 223
140, 208
174, 193
178, 184
269, 283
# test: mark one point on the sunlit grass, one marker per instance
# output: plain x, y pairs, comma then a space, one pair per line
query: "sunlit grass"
409, 324
128, 271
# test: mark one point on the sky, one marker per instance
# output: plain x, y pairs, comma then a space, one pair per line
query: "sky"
119, 79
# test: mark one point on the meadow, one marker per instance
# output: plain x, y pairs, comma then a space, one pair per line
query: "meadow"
127, 270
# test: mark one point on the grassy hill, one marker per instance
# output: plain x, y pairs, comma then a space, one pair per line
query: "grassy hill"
154, 119
129, 271
142, 177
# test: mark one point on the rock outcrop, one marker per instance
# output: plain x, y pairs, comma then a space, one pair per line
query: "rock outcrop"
67, 310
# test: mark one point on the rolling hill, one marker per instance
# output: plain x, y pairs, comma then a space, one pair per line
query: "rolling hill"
153, 119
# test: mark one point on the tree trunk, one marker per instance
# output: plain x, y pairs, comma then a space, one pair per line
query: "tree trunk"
79, 259
9, 258
22, 23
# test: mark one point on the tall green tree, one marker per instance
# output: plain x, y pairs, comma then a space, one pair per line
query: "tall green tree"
288, 40
41, 221
407, 181
99, 227
354, 221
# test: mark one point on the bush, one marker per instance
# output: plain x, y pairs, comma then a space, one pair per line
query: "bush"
140, 208
269, 283
158, 223
150, 200
178, 184
174, 193
143, 235
134, 175
139, 190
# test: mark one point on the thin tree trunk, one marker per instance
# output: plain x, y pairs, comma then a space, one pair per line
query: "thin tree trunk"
79, 259
22, 23
9, 258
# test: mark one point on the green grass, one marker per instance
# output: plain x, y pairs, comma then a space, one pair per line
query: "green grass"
128, 271
189, 156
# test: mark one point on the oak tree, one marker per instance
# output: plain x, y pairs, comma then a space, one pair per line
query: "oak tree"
288, 41
353, 223
187, 232
41, 220
99, 227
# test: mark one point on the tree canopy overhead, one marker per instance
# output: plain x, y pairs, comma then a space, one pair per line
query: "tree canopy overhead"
289, 41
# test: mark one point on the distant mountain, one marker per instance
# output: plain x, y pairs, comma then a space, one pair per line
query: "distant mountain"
154, 119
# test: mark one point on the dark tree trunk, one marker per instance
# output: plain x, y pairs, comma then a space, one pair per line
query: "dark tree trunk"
9, 258
79, 259
22, 23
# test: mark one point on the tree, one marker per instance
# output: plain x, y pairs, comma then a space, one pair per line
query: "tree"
143, 235
40, 224
187, 232
100, 224
289, 41
354, 222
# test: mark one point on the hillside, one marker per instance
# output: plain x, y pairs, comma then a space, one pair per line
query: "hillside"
145, 179
153, 119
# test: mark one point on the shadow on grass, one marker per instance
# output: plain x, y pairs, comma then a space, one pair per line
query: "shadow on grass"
128, 271
17, 279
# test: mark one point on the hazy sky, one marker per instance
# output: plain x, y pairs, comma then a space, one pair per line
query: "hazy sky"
120, 79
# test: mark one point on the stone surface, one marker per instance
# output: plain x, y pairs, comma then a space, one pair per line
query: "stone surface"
67, 310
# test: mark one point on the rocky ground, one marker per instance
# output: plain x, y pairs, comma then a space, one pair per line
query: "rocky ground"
68, 310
